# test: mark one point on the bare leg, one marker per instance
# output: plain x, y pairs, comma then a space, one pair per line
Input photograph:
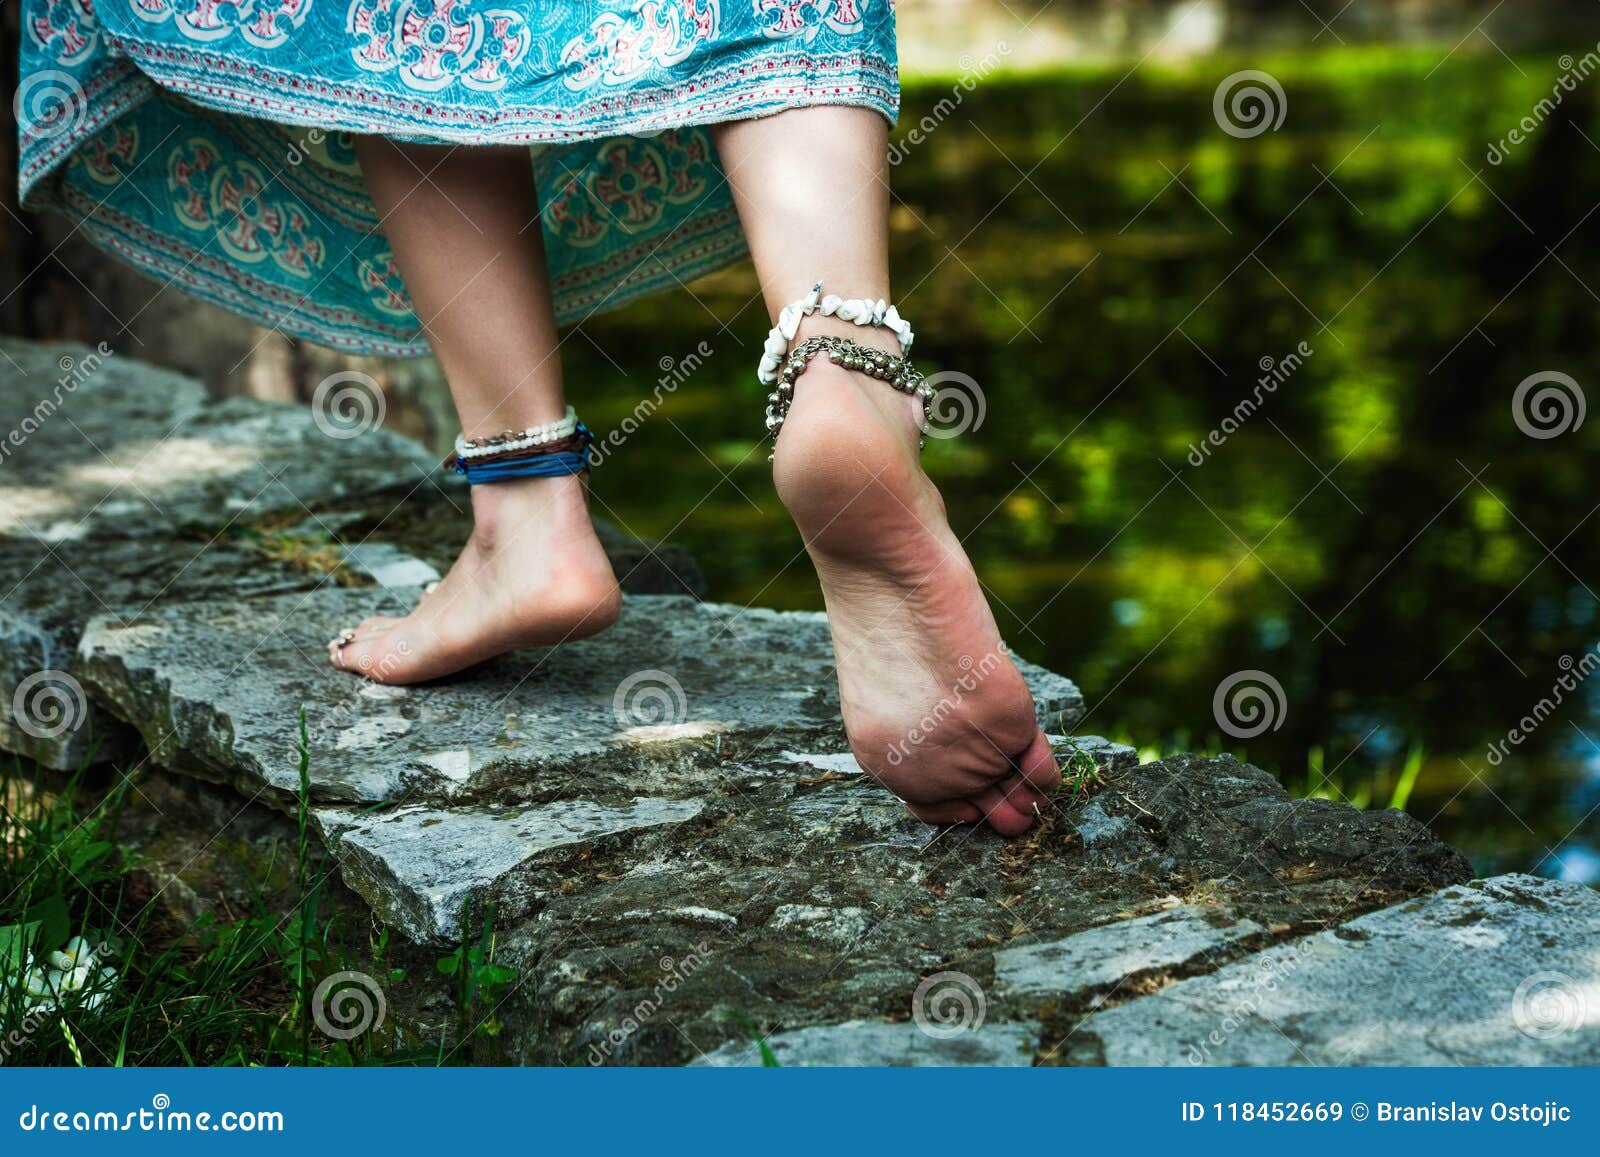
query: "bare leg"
934, 707
461, 225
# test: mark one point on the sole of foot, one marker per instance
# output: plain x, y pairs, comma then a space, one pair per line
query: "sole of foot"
532, 574
934, 707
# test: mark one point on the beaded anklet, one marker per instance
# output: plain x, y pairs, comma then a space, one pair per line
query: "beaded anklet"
861, 310
496, 461
897, 372
518, 439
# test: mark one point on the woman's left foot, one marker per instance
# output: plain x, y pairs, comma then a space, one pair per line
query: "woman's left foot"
532, 574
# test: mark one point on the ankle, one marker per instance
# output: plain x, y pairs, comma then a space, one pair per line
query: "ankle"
517, 504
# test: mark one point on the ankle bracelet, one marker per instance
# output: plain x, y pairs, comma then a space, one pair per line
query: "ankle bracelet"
861, 310
546, 459
467, 448
897, 372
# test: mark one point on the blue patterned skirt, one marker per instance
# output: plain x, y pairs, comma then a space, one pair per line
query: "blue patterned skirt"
208, 142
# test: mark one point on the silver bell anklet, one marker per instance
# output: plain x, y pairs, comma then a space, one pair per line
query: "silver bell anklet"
897, 372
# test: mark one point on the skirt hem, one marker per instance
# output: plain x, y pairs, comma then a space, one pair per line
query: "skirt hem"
140, 71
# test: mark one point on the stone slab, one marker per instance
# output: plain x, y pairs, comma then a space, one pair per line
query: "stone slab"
217, 688
48, 591
1503, 971
1101, 958
835, 905
113, 446
858, 1044
423, 868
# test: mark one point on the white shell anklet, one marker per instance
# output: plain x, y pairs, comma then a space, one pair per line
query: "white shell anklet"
507, 440
861, 310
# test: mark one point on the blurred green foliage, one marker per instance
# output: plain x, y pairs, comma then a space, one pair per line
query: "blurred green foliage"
1112, 268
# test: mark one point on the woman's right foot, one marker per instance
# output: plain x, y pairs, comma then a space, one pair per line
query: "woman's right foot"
533, 574
934, 708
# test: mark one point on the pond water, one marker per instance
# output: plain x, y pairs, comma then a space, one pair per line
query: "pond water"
1374, 531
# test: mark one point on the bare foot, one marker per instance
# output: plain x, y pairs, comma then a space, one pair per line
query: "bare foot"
933, 705
532, 574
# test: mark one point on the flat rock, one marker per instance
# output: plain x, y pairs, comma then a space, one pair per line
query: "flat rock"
834, 906
858, 1043
422, 869
622, 710
1100, 958
50, 590
1499, 972
112, 446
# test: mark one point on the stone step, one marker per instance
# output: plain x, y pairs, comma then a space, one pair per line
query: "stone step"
1496, 972
1104, 957
1503, 971
425, 870
803, 897
429, 870
217, 689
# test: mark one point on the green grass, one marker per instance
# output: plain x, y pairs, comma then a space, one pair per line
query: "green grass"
214, 992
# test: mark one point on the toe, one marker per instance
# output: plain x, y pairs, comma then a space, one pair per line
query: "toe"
375, 625
1005, 809
953, 811
372, 654
1038, 767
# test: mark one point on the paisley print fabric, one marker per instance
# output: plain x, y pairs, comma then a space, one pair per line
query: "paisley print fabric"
209, 142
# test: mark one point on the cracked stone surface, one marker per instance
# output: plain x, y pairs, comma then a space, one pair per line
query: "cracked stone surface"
1503, 971
1103, 957
50, 592
832, 905
217, 687
423, 868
